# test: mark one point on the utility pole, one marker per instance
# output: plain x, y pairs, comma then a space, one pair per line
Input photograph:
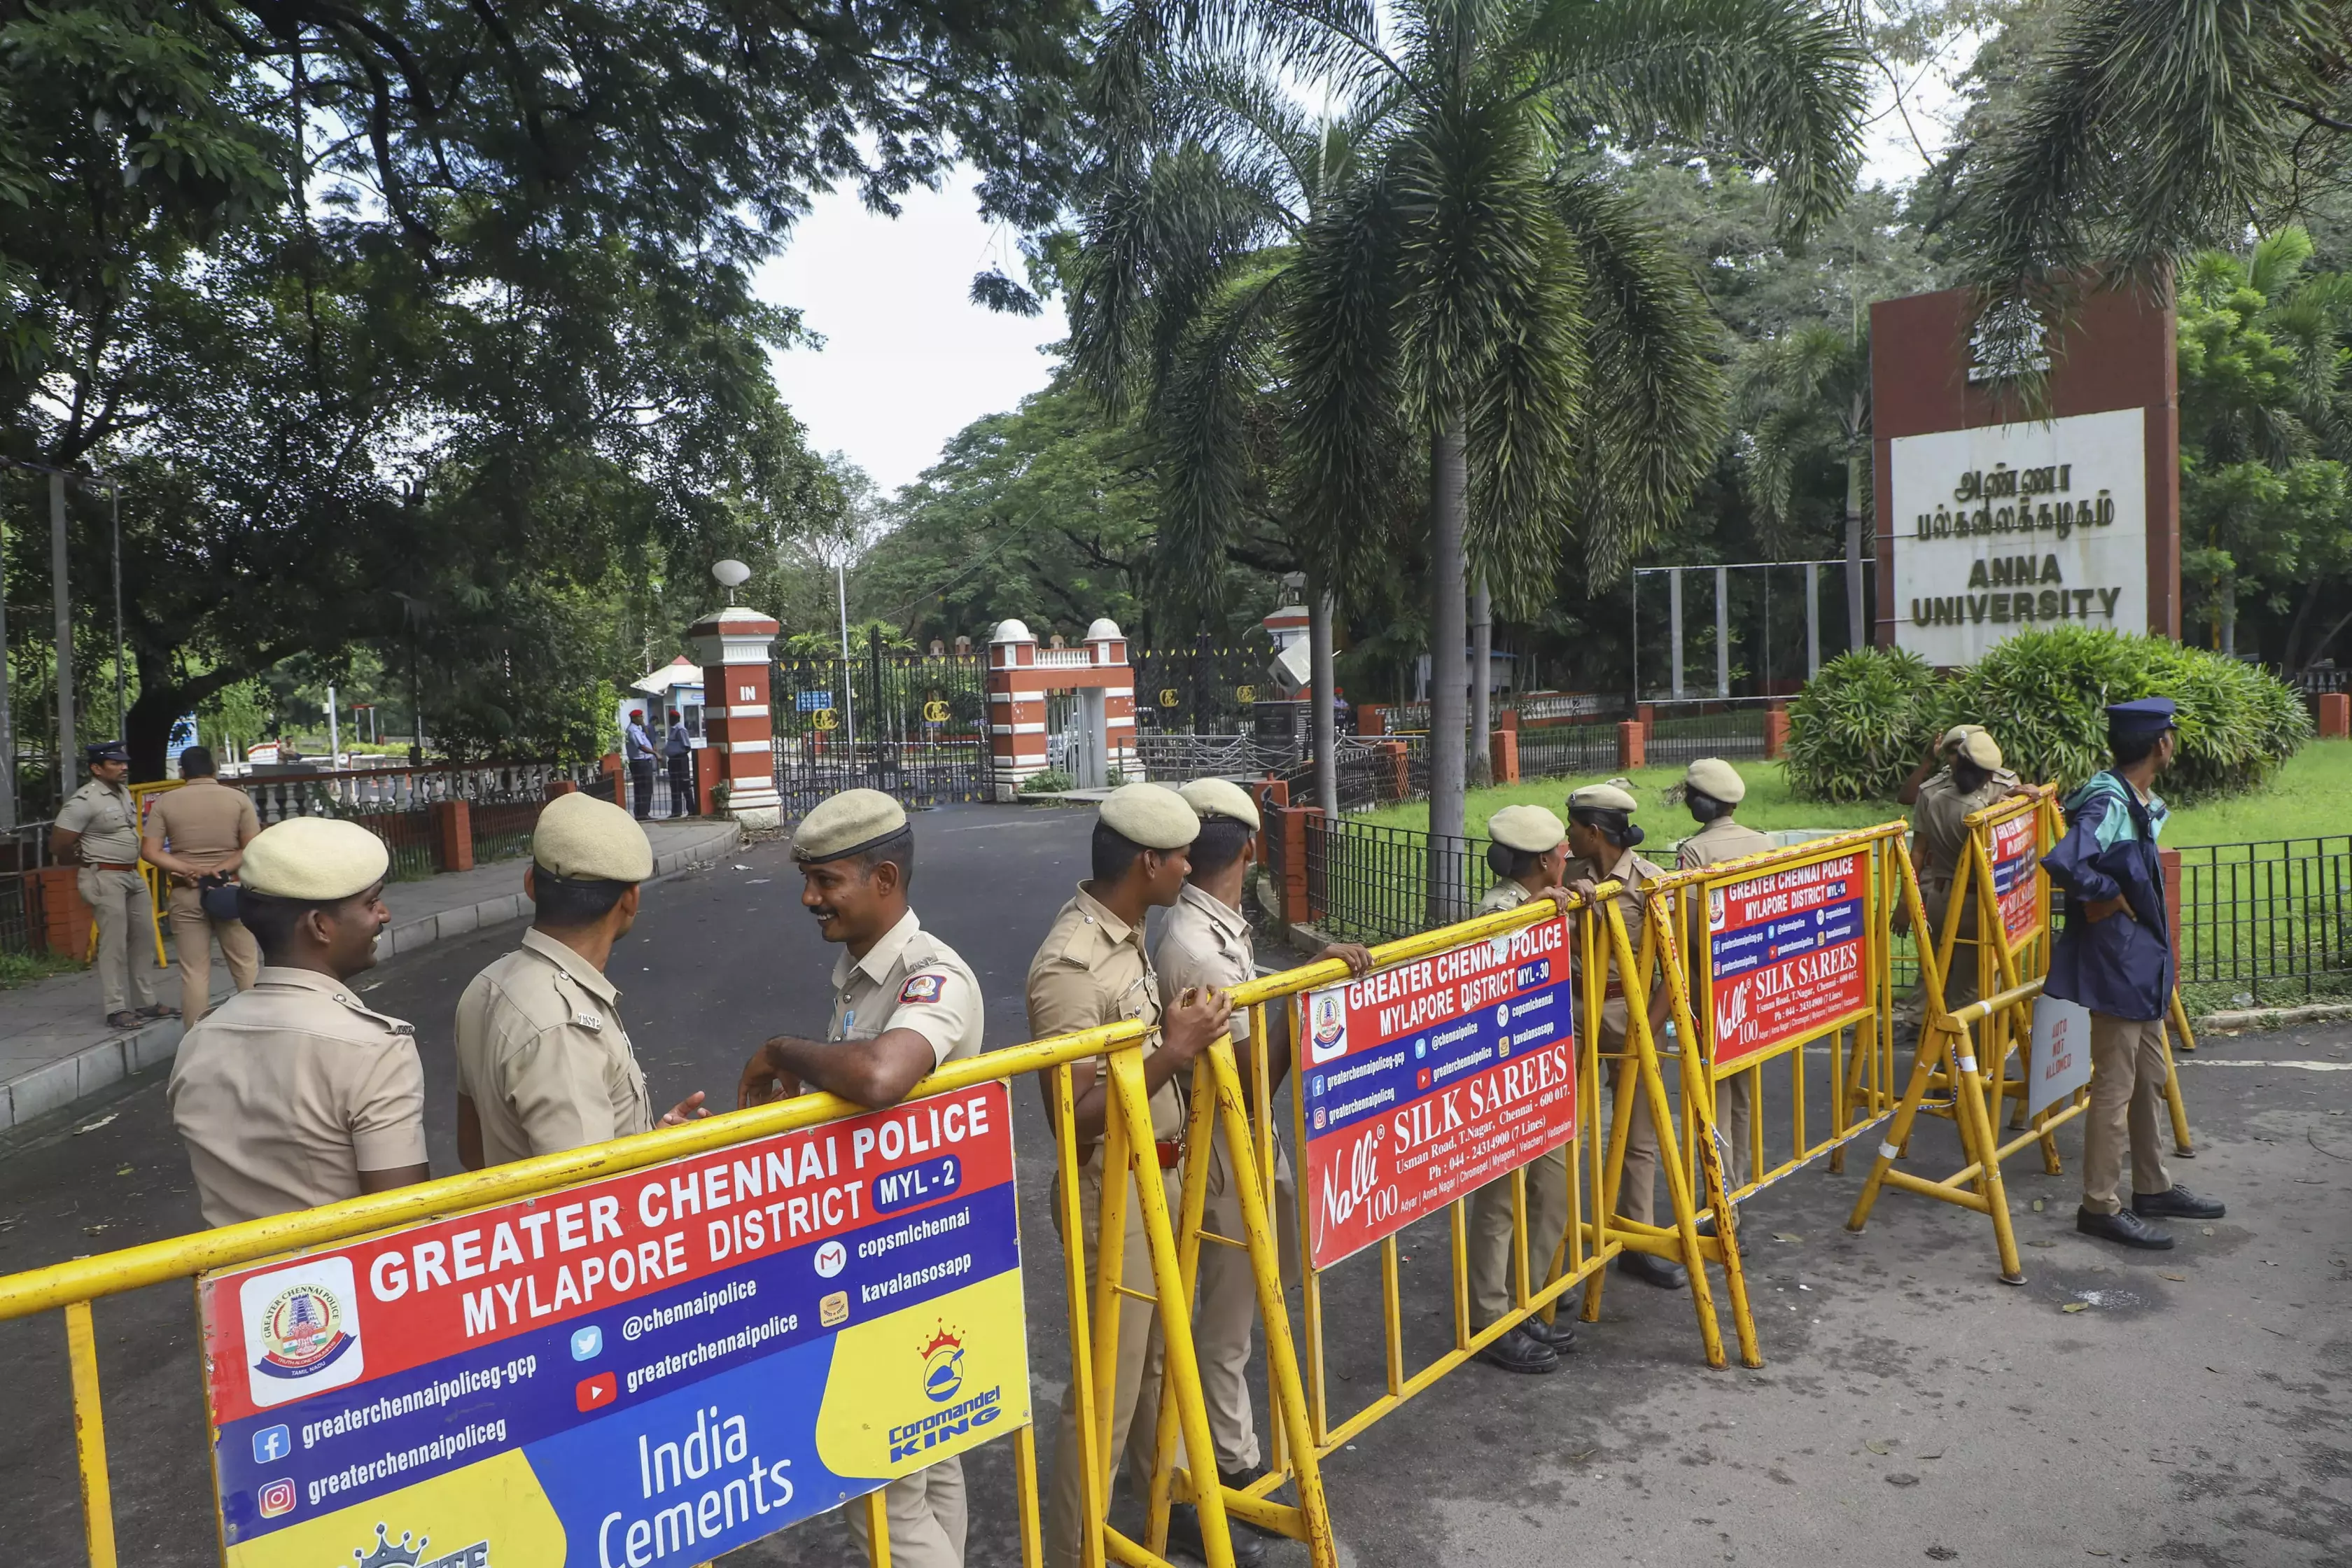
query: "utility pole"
68, 738
7, 724
121, 701
849, 696
334, 732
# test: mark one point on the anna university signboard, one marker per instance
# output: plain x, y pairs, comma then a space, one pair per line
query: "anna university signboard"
1990, 523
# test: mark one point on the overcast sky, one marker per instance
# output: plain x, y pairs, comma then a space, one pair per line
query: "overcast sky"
909, 361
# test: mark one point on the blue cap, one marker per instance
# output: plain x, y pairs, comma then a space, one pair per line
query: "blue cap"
2143, 716
107, 752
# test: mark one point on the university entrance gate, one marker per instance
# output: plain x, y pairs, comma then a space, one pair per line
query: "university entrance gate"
912, 725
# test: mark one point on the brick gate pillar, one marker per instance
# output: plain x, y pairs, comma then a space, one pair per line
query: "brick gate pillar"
1107, 646
1017, 709
734, 648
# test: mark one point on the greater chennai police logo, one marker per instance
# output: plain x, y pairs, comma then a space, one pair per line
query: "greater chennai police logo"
943, 1365
301, 1330
1328, 1011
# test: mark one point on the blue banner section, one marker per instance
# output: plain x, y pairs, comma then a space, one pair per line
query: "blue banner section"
1769, 940
773, 1317
1368, 1081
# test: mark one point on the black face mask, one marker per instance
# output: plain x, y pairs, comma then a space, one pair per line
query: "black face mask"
1705, 808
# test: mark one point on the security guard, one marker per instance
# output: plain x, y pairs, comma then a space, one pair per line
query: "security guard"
1530, 858
1713, 789
1939, 839
1092, 970
1934, 764
292, 1094
1206, 944
195, 836
100, 826
1601, 837
543, 1063
2115, 957
904, 1004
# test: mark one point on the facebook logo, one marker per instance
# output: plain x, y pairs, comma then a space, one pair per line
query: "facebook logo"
587, 1343
271, 1445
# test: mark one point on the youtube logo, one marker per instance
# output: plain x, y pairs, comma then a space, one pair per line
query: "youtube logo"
597, 1392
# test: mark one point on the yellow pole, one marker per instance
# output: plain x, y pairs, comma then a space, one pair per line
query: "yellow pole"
1093, 1501
877, 1529
89, 1437
1025, 1481
2173, 1103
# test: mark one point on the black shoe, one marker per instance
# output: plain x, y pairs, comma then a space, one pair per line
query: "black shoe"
1666, 1274
1559, 1335
1185, 1536
2126, 1228
1518, 1351
1242, 1480
2177, 1203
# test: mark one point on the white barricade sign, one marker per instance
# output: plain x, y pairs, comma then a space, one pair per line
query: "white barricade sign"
2060, 1060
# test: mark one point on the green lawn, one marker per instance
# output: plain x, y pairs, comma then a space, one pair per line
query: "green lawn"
2310, 796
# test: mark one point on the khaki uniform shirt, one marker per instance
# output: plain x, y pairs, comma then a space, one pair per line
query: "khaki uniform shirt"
910, 980
1636, 873
109, 823
1507, 894
542, 1055
1205, 942
1939, 838
1092, 970
204, 821
286, 1093
1720, 840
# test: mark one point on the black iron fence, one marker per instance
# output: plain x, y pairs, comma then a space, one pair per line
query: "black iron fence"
1367, 883
1563, 751
2266, 922
1206, 689
1682, 732
911, 725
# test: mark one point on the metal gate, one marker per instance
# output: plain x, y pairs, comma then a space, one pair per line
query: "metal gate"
912, 725
1203, 690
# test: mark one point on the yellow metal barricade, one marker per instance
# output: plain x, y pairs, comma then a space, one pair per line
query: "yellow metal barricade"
1960, 1069
1128, 1144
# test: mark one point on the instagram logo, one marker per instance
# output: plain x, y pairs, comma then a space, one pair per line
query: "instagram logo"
276, 1498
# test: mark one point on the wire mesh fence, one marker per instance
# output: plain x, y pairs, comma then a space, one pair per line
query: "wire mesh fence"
1682, 734
1563, 751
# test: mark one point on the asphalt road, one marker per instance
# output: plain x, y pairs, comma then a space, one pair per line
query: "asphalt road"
2198, 1410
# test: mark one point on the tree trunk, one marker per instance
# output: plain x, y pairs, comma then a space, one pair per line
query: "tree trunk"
1449, 503
1857, 628
1321, 690
1482, 700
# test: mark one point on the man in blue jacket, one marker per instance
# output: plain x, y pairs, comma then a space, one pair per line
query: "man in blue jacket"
2114, 958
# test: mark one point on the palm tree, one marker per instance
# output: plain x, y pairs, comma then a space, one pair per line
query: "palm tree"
1479, 290
2139, 130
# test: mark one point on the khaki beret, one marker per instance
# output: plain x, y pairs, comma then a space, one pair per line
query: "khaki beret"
847, 823
1980, 749
1220, 798
580, 835
1530, 830
1150, 815
1601, 797
314, 860
1956, 734
1716, 779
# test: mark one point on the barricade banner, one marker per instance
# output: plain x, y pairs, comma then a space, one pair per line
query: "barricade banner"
665, 1364
1786, 956
2014, 848
1428, 1079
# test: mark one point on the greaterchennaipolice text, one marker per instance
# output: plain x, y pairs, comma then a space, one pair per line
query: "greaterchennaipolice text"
785, 1196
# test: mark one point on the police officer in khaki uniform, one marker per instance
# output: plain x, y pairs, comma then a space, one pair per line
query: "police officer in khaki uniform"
1530, 858
99, 829
1601, 837
1939, 839
1713, 789
543, 1063
195, 836
1206, 944
292, 1094
1091, 969
904, 1004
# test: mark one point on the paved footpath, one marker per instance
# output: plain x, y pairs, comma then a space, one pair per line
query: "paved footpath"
2197, 1411
55, 1047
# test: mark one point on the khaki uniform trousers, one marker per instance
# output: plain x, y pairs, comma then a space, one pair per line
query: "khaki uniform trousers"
1490, 1241
2126, 1101
1735, 1118
926, 1516
1637, 1188
192, 931
126, 950
1224, 1314
1066, 1519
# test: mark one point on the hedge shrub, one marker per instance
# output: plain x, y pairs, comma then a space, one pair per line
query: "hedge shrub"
1867, 718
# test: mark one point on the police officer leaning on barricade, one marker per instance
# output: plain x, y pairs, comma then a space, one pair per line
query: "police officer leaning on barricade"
1529, 857
1092, 969
1940, 840
292, 1094
1206, 944
543, 1063
1601, 837
904, 1004
2114, 958
1712, 790
99, 830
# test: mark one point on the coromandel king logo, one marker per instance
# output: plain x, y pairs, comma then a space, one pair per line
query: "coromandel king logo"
409, 1551
943, 1365
301, 1330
